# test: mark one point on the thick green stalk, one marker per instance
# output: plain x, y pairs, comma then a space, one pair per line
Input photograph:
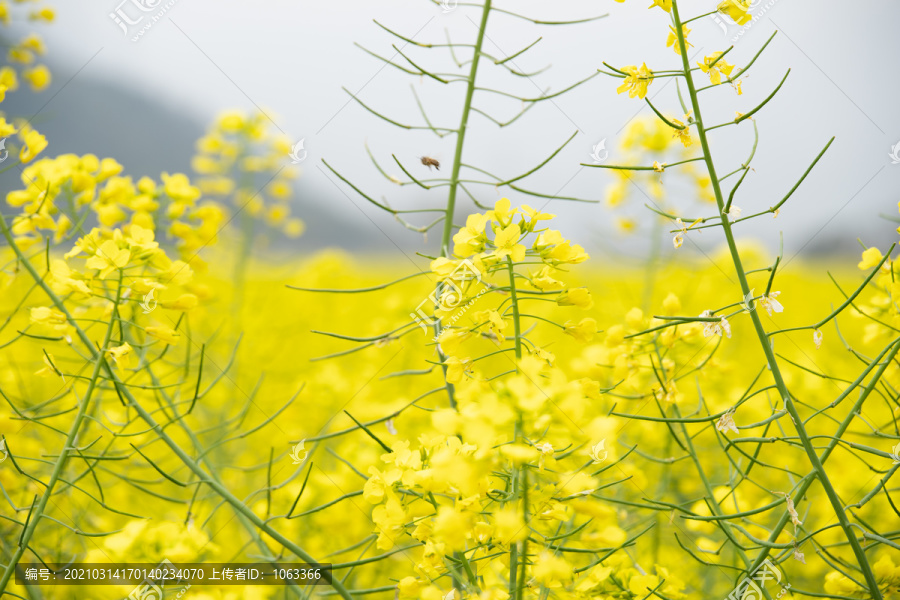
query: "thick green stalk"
710, 494
808, 447
517, 582
220, 489
514, 301
523, 558
891, 352
461, 132
447, 235
71, 436
211, 468
513, 569
190, 463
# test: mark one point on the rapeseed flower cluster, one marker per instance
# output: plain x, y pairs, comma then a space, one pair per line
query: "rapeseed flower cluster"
241, 161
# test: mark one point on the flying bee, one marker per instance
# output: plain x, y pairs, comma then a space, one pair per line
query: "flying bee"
430, 162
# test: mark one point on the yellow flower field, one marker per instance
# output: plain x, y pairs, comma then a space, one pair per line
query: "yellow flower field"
642, 463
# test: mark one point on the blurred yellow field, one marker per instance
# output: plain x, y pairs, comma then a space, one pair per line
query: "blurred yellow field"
272, 364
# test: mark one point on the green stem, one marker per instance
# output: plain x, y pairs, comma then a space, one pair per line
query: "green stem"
513, 569
716, 506
517, 326
891, 352
523, 559
447, 235
190, 463
517, 583
760, 331
210, 466
70, 437
221, 490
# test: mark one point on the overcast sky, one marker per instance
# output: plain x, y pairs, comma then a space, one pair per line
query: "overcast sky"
292, 58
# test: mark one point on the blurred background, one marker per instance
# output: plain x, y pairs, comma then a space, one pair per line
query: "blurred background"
146, 102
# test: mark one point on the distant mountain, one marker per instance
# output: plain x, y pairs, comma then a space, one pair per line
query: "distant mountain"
91, 115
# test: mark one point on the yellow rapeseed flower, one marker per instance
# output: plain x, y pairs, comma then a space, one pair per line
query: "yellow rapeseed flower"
184, 302
6, 129
33, 143
637, 81
108, 258
715, 67
672, 40
583, 331
122, 356
45, 14
580, 297
870, 258
178, 187
507, 242
163, 333
737, 10
44, 315
502, 213
8, 79
470, 238
457, 369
